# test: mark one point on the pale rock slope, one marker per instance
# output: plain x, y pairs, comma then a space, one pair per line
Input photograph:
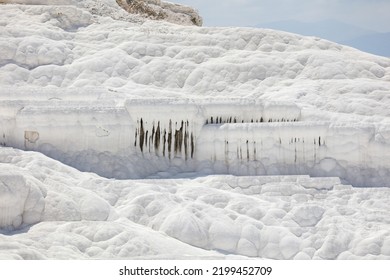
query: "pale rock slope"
156, 9
146, 9
49, 210
92, 62
174, 109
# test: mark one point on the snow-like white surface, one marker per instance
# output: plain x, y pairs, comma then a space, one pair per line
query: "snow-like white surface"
115, 94
138, 138
82, 215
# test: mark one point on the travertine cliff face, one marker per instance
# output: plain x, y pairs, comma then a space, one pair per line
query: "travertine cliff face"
160, 10
149, 9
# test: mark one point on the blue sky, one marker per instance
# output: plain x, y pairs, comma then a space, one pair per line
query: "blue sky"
369, 14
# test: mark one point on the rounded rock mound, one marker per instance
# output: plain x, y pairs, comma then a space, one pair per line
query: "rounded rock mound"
21, 200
